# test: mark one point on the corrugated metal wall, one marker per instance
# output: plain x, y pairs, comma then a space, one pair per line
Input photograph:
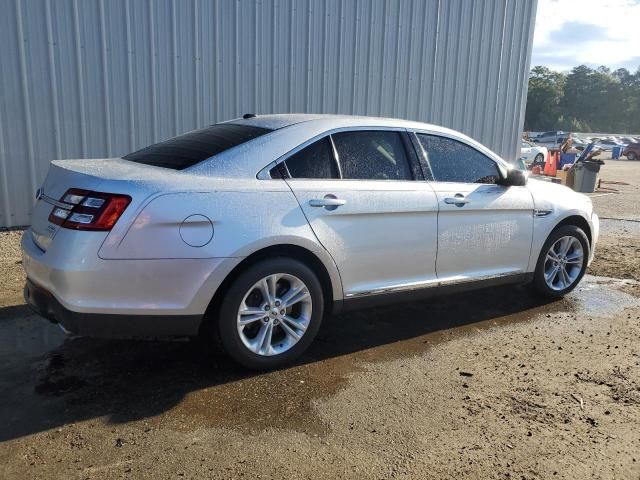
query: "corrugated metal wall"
96, 78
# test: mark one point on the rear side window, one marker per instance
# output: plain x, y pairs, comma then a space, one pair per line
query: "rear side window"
372, 155
453, 161
193, 147
313, 161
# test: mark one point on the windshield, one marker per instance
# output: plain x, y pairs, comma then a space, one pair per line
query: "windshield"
193, 147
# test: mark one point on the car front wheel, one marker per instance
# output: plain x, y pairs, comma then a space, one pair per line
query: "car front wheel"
271, 313
562, 262
631, 156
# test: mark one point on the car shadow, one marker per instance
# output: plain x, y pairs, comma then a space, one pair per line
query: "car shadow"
48, 380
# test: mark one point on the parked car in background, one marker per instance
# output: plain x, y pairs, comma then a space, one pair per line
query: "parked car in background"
532, 153
632, 151
548, 136
550, 139
249, 232
580, 143
607, 144
628, 140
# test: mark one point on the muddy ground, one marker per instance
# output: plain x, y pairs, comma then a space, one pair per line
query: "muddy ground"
491, 384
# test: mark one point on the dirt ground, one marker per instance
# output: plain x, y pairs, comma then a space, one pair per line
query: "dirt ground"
490, 384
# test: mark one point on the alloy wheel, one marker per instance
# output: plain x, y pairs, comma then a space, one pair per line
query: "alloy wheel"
563, 263
274, 314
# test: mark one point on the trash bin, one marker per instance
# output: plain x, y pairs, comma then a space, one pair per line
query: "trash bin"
616, 152
586, 175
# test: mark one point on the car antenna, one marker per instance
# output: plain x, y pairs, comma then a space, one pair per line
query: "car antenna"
248, 115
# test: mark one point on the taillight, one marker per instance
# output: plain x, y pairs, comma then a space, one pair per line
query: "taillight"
84, 210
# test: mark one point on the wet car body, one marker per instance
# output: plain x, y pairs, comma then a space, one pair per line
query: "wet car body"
408, 220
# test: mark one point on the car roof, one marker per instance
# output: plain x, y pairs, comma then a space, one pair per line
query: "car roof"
290, 131
281, 120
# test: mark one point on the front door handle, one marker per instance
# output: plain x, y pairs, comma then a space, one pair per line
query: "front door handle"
458, 200
330, 202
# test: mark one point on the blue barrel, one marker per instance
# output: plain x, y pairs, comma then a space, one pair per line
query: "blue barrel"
616, 152
566, 158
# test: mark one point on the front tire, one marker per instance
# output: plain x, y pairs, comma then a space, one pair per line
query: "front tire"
631, 156
270, 314
562, 263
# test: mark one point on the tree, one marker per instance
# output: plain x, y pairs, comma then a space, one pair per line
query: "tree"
584, 100
543, 100
630, 92
585, 95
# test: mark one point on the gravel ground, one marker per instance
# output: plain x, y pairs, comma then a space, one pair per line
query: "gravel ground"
12, 277
491, 384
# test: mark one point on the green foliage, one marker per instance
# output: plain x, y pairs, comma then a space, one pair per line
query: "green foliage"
583, 100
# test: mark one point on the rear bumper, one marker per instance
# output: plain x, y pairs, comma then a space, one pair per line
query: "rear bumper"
45, 304
81, 282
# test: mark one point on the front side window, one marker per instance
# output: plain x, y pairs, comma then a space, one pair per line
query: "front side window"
372, 155
454, 161
313, 161
193, 147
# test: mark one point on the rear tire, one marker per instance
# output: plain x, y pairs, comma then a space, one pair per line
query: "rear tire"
270, 314
562, 263
631, 156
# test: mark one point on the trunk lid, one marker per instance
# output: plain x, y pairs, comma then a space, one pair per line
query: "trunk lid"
82, 174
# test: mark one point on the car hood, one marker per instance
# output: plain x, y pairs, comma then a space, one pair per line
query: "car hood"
553, 196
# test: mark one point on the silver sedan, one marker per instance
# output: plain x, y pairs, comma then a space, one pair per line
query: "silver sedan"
249, 232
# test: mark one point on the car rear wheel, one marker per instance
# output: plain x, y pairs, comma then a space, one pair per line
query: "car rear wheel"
562, 262
270, 314
632, 156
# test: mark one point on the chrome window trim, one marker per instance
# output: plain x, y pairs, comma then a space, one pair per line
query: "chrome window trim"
423, 158
336, 157
263, 174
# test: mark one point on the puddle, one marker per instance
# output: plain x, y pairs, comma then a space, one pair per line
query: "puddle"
49, 382
602, 296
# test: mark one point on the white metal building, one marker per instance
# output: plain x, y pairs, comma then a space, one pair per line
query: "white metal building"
98, 78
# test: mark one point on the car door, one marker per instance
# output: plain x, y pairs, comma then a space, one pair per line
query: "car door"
484, 229
359, 194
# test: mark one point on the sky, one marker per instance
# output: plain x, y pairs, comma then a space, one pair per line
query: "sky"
591, 32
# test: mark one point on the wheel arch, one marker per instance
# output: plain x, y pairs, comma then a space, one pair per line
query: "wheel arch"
545, 285
309, 258
578, 221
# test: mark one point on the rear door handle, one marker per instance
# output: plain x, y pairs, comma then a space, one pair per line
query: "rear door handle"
457, 200
330, 202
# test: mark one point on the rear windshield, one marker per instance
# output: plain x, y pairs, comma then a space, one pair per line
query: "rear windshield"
186, 150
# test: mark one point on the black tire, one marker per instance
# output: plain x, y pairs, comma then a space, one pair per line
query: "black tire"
539, 280
225, 327
632, 156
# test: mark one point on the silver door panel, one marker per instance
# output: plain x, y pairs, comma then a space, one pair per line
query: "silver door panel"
381, 234
488, 233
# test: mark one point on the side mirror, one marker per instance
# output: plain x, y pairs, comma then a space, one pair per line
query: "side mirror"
515, 178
